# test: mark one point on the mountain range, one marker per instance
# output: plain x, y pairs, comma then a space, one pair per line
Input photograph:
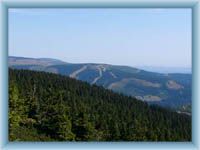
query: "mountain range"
165, 89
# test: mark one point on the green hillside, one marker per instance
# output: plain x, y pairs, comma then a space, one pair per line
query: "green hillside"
167, 90
49, 107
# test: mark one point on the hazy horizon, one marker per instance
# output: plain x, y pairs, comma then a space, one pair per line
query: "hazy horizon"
128, 37
157, 69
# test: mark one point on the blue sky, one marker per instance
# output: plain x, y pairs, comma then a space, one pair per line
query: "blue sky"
133, 37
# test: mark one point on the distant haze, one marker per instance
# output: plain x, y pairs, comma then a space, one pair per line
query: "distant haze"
186, 70
131, 37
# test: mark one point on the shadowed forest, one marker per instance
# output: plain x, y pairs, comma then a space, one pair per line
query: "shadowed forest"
49, 107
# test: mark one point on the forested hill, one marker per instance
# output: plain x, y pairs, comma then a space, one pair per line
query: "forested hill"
50, 107
167, 90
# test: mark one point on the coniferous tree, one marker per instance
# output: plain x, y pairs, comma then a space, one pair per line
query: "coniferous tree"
49, 107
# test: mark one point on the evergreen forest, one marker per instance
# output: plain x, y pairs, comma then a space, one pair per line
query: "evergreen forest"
50, 107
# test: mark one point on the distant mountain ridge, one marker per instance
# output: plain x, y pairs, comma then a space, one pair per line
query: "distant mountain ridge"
170, 90
185, 70
34, 61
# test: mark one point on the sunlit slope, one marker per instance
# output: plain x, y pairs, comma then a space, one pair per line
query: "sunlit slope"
173, 90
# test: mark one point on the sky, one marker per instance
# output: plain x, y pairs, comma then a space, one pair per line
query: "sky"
131, 37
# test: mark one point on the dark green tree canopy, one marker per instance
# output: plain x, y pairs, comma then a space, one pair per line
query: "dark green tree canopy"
50, 107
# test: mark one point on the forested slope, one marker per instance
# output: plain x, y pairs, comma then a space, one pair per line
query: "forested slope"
50, 107
167, 90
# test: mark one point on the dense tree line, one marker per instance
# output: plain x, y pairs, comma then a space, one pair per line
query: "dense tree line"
50, 107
